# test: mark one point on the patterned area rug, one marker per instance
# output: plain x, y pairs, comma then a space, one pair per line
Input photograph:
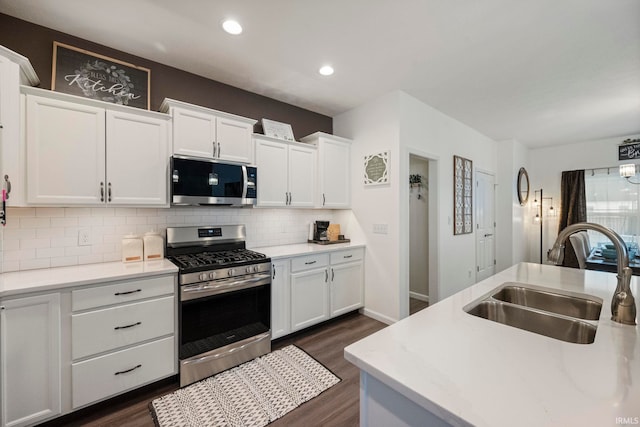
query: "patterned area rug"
253, 394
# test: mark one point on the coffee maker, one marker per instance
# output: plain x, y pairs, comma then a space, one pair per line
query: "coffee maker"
320, 231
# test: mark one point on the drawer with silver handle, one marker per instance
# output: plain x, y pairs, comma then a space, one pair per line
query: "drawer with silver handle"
117, 293
113, 373
347, 255
110, 328
309, 262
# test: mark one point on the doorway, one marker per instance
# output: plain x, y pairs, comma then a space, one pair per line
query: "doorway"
419, 233
485, 225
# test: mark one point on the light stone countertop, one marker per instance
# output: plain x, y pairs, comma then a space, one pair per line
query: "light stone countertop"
285, 251
472, 371
51, 279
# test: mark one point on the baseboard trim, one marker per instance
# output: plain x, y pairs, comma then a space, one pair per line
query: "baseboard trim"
378, 316
420, 297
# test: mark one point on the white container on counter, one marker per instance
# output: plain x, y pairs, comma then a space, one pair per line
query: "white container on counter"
132, 248
153, 246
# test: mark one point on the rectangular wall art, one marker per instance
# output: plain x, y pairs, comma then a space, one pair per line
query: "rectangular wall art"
462, 195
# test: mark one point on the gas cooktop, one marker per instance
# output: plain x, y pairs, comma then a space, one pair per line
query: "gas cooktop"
216, 259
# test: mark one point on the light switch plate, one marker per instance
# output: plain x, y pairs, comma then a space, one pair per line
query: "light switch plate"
380, 228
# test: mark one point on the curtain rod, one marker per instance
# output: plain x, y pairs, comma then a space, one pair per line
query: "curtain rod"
608, 169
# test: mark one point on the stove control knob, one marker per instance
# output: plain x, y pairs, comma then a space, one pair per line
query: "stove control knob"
203, 276
232, 271
212, 275
248, 269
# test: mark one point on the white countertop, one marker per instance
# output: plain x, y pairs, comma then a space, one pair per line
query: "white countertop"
49, 279
284, 251
472, 371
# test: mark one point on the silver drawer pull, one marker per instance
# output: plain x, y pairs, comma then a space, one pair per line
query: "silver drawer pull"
310, 262
348, 256
128, 326
128, 370
128, 292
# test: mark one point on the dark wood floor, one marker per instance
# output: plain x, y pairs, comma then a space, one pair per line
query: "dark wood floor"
416, 305
337, 406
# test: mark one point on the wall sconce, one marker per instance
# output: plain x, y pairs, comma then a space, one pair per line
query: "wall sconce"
627, 171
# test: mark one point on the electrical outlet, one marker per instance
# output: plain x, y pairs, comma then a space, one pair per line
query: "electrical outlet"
84, 237
380, 228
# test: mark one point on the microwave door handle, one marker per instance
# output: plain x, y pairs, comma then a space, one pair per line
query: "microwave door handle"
245, 181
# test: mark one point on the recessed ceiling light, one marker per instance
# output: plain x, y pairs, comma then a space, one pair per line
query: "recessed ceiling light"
326, 70
232, 27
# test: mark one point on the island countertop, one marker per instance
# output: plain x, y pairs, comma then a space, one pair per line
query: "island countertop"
471, 371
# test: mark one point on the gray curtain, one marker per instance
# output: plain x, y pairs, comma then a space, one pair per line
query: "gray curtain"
573, 208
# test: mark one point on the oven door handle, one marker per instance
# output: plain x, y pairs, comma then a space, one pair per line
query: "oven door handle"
190, 292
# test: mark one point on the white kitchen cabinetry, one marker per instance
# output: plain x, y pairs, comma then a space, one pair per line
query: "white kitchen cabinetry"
347, 290
309, 290
15, 70
84, 152
334, 170
211, 134
119, 347
286, 173
30, 331
280, 299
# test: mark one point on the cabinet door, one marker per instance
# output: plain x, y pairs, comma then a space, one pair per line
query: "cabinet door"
65, 152
302, 172
234, 140
194, 133
346, 288
271, 160
30, 359
137, 159
280, 299
11, 147
335, 173
309, 298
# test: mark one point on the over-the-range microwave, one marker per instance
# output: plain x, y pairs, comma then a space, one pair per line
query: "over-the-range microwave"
204, 182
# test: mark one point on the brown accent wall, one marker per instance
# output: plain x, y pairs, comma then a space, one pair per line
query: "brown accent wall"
36, 43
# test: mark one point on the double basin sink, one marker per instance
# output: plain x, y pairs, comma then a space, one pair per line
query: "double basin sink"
569, 317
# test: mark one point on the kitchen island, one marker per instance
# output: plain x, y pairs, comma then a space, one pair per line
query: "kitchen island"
443, 366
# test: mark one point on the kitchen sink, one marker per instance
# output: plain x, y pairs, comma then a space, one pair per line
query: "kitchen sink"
586, 307
568, 317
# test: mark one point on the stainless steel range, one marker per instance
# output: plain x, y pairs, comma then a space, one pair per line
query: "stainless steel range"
225, 299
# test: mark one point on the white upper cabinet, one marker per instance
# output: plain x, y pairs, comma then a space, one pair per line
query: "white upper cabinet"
286, 173
84, 152
334, 170
15, 70
211, 134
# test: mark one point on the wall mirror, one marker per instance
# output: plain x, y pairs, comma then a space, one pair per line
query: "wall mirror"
523, 186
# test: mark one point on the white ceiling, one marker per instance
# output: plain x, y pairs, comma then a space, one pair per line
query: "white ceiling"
542, 72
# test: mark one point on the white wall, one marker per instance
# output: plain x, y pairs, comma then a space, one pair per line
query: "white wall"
403, 124
547, 164
48, 237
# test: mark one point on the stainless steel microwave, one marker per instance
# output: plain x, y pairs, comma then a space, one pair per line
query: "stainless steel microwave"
204, 182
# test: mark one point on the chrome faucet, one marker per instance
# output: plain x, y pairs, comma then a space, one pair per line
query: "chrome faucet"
623, 305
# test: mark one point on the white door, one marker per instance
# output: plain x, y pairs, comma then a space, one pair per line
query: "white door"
302, 172
194, 133
234, 140
30, 359
271, 160
65, 152
485, 225
335, 167
346, 288
309, 298
280, 299
137, 159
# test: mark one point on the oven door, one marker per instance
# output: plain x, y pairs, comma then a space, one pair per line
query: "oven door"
223, 323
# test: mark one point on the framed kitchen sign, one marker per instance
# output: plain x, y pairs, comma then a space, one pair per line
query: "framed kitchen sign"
277, 130
629, 149
376, 168
90, 75
462, 195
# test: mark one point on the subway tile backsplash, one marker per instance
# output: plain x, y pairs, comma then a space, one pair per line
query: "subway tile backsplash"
48, 237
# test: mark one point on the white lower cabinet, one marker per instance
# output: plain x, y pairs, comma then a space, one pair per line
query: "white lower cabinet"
280, 299
319, 287
30, 359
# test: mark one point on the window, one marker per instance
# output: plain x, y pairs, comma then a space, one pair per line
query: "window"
613, 202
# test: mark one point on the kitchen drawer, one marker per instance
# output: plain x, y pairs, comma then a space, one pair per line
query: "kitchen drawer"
117, 293
113, 373
347, 255
103, 330
309, 262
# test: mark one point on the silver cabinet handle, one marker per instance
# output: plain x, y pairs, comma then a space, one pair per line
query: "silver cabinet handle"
128, 370
214, 148
102, 191
127, 326
326, 276
333, 274
324, 199
109, 192
347, 256
310, 262
488, 235
274, 270
219, 150
290, 198
127, 292
6, 179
